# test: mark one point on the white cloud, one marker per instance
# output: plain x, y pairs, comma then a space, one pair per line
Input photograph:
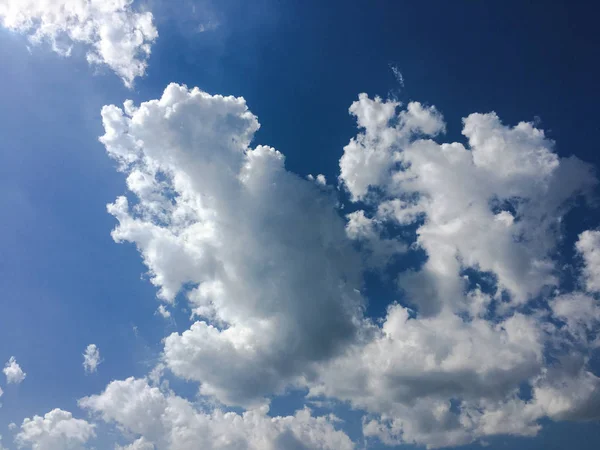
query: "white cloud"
138, 444
115, 34
488, 218
163, 312
91, 358
271, 272
465, 197
274, 281
57, 430
588, 247
14, 373
166, 421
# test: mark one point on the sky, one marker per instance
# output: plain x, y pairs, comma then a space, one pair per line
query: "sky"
299, 225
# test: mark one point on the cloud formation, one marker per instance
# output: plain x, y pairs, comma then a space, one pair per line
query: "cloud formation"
165, 421
14, 373
114, 33
482, 339
57, 430
259, 253
446, 367
91, 358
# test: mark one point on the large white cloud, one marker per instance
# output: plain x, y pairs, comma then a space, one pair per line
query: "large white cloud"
116, 34
260, 253
270, 270
165, 421
57, 430
488, 217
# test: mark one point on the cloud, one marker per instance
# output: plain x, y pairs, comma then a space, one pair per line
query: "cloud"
14, 373
495, 207
57, 430
113, 32
260, 254
273, 275
163, 312
588, 247
91, 358
397, 74
166, 421
449, 369
138, 444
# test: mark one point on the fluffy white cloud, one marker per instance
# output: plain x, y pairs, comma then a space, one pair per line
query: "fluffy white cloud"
116, 34
260, 253
270, 270
488, 217
495, 207
588, 246
57, 430
166, 421
91, 358
14, 373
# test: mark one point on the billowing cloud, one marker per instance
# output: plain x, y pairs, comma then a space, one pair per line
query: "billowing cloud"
57, 430
166, 421
14, 373
482, 341
260, 254
115, 34
449, 369
91, 358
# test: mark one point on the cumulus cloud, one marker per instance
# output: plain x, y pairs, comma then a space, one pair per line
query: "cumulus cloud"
14, 373
113, 32
273, 273
166, 421
446, 367
260, 254
91, 358
57, 430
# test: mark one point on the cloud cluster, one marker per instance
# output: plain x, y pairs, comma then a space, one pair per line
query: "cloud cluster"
57, 430
165, 421
14, 373
483, 340
488, 216
115, 34
269, 269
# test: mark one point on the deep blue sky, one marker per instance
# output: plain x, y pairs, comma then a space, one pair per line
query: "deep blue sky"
300, 65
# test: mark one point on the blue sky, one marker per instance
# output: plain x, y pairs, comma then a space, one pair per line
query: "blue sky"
299, 66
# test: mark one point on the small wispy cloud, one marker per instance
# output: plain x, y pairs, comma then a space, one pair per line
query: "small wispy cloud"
397, 74
91, 358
